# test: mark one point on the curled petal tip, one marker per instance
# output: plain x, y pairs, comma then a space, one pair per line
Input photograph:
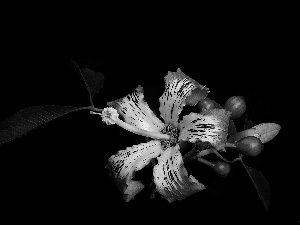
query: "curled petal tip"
139, 89
171, 178
178, 92
133, 188
125, 163
198, 94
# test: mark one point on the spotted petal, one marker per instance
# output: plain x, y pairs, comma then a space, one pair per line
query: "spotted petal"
177, 88
124, 164
171, 178
136, 111
209, 126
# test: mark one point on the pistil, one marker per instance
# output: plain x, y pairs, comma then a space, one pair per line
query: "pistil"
110, 116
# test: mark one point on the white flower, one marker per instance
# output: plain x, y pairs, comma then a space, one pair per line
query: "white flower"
170, 176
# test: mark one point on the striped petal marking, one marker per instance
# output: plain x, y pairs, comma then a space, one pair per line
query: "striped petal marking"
136, 111
211, 126
178, 87
171, 178
124, 164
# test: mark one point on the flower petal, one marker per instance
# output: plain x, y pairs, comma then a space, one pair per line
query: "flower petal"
171, 178
124, 164
136, 111
211, 126
178, 87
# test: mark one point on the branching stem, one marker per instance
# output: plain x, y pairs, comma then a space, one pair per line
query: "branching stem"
213, 150
206, 162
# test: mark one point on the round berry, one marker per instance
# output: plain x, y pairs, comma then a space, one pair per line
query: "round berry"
222, 168
197, 95
236, 105
206, 104
250, 146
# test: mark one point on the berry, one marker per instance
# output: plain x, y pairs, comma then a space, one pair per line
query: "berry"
197, 95
250, 146
222, 168
206, 104
236, 105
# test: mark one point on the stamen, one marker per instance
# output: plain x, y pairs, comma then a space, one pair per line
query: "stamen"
110, 116
135, 130
173, 132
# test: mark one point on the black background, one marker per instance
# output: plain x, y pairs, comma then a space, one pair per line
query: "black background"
59, 170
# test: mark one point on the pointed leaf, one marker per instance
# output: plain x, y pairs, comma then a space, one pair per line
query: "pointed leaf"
264, 131
217, 105
248, 123
93, 80
231, 128
261, 185
29, 119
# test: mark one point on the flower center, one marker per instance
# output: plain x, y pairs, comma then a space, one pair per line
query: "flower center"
173, 132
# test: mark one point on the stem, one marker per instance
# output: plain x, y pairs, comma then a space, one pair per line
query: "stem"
239, 158
189, 156
230, 145
204, 152
206, 162
93, 108
212, 150
221, 157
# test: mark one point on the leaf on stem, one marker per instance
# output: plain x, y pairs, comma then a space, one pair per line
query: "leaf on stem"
93, 80
248, 123
231, 128
217, 105
189, 155
261, 185
264, 131
29, 119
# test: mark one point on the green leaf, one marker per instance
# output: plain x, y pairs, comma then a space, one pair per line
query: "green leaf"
261, 185
29, 119
93, 80
231, 128
248, 123
264, 131
217, 105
